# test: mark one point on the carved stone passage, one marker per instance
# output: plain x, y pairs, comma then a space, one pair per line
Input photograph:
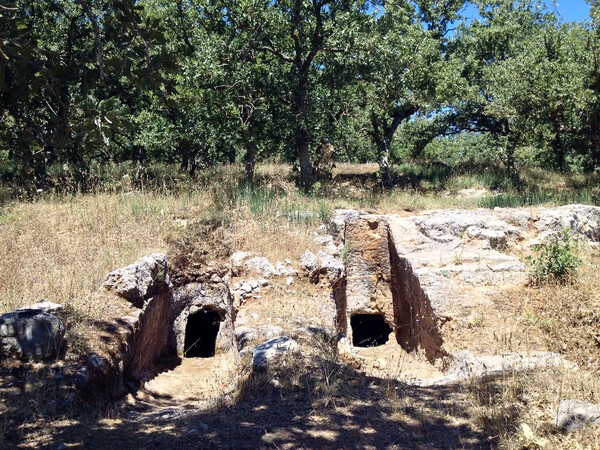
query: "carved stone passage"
368, 275
201, 334
381, 288
203, 324
369, 330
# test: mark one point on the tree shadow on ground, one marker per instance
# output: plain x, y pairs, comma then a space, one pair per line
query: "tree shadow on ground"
328, 406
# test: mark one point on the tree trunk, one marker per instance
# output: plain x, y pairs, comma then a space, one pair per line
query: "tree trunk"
595, 143
509, 160
384, 166
184, 152
250, 160
383, 137
231, 154
302, 136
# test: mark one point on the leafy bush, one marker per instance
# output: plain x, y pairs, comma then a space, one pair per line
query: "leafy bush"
556, 261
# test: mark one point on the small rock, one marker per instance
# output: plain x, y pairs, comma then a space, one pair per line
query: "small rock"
324, 241
380, 364
576, 414
289, 281
309, 262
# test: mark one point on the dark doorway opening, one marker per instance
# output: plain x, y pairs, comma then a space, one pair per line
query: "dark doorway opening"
369, 330
201, 334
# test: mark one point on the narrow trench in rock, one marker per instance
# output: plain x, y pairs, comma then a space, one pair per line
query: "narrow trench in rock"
403, 310
416, 325
201, 334
369, 330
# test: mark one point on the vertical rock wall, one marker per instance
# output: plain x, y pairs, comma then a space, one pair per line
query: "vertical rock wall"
380, 281
150, 337
416, 324
368, 273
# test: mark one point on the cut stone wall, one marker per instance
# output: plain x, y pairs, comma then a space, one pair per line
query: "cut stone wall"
194, 297
150, 337
416, 323
368, 287
380, 281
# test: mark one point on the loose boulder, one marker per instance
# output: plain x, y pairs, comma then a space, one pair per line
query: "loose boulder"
309, 262
31, 334
139, 280
271, 352
576, 414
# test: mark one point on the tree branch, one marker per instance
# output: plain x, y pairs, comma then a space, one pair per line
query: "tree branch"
278, 53
99, 46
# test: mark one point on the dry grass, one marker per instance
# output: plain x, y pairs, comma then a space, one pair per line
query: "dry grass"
355, 169
61, 250
570, 313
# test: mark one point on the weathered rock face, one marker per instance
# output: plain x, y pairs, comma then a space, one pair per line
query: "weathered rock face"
368, 273
194, 298
309, 263
149, 341
421, 271
380, 282
31, 334
583, 220
139, 280
331, 269
146, 285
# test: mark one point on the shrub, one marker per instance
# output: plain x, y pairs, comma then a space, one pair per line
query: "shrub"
555, 261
